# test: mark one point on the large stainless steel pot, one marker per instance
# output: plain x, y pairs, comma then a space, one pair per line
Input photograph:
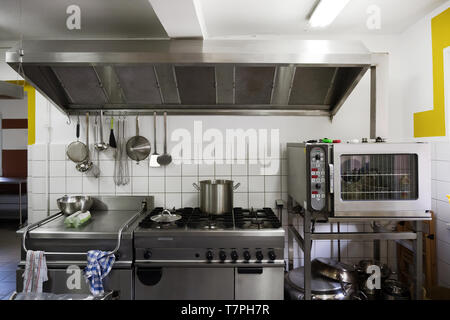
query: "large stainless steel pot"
216, 196
321, 287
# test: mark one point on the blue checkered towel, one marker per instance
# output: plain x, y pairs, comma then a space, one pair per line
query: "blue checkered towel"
99, 264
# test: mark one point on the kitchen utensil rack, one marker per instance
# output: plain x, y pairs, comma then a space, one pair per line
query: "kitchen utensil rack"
379, 233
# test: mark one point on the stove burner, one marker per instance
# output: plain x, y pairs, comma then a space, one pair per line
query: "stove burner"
210, 225
256, 221
194, 218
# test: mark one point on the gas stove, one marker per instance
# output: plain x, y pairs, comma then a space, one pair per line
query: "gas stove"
241, 236
237, 255
195, 218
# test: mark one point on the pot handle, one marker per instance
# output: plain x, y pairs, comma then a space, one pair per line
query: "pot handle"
196, 186
165, 211
236, 186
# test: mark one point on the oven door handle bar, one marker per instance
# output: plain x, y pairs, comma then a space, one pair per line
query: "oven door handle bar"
57, 215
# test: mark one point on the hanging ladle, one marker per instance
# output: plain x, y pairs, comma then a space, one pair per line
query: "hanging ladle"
101, 146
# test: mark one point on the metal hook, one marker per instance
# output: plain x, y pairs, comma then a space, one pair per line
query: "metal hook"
69, 120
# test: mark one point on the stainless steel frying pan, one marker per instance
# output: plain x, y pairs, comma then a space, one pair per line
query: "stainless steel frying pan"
138, 147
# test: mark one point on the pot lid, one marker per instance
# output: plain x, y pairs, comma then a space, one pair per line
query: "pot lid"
216, 181
165, 217
334, 270
319, 285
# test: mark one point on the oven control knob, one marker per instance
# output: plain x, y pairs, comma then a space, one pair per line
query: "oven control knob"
247, 255
147, 254
272, 255
209, 255
259, 255
222, 255
234, 255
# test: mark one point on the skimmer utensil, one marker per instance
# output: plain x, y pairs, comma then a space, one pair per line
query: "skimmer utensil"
155, 154
165, 158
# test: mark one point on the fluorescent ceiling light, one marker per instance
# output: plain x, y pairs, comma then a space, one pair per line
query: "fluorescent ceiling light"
326, 11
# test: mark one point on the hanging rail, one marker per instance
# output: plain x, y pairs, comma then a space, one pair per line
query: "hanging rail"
196, 110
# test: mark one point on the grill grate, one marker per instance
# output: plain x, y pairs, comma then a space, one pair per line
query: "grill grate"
379, 177
195, 218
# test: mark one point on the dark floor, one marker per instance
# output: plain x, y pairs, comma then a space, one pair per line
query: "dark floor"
9, 257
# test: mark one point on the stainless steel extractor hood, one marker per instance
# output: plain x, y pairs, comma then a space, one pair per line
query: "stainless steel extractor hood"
10, 91
261, 77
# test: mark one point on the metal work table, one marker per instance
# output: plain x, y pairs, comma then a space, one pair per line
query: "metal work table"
113, 220
19, 182
305, 241
103, 224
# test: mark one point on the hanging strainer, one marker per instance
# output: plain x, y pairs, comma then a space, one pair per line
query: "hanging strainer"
77, 151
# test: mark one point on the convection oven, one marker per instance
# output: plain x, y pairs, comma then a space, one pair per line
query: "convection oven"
361, 179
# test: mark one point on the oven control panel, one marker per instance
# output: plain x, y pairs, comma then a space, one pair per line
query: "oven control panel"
317, 178
211, 255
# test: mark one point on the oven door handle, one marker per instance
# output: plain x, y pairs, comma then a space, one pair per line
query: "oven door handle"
331, 176
250, 270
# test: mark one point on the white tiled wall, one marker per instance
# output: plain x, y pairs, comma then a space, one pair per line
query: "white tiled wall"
440, 187
171, 186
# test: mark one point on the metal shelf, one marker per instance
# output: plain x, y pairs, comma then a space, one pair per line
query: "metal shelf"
305, 241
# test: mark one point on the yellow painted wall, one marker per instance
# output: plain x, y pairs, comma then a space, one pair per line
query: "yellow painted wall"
432, 123
31, 94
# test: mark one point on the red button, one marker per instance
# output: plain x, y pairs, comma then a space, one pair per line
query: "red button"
314, 176
315, 192
314, 169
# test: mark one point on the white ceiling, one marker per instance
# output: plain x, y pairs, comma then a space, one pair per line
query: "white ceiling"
289, 17
45, 19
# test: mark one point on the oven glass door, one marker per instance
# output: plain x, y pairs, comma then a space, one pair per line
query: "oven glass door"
379, 177
382, 179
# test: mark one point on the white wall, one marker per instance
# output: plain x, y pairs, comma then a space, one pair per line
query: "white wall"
412, 71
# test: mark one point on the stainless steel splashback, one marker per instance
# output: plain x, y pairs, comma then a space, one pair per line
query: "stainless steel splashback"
303, 77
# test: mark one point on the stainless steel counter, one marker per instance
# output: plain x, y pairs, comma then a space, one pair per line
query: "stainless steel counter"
110, 228
102, 225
